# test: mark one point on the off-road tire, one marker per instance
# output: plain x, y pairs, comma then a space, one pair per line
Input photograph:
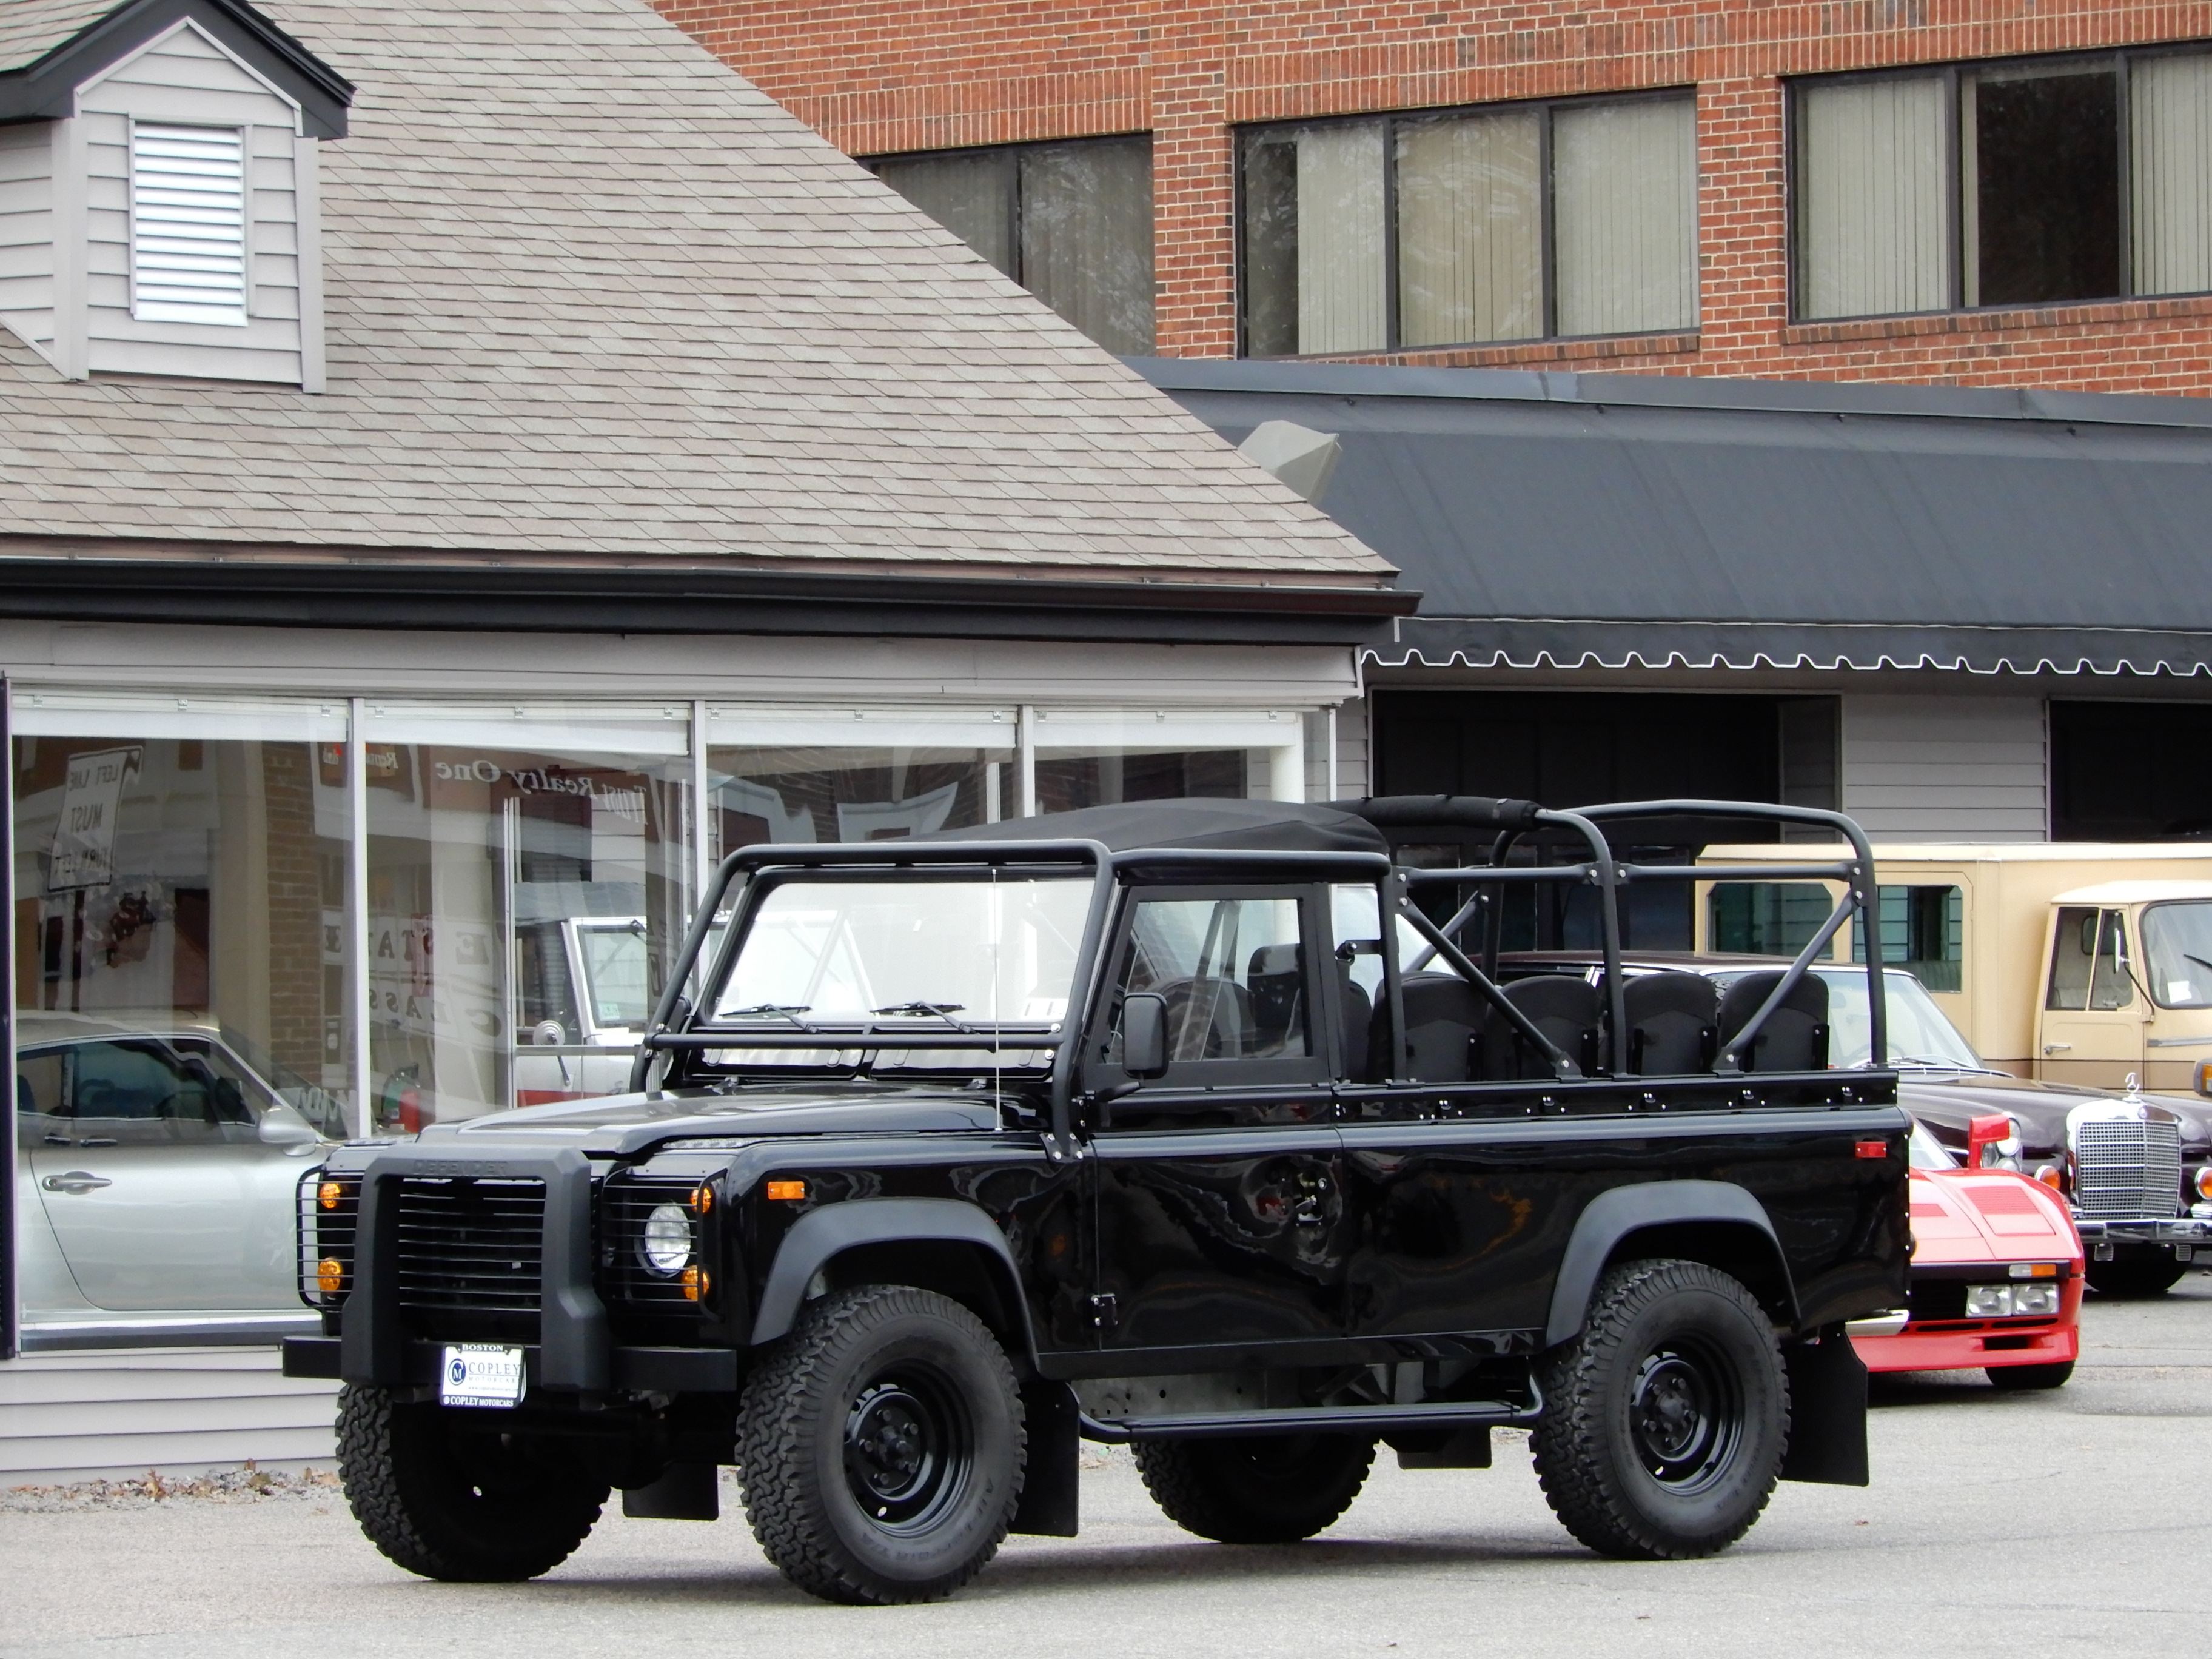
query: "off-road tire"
447, 1495
1623, 1399
1274, 1489
2134, 1279
2022, 1378
841, 1402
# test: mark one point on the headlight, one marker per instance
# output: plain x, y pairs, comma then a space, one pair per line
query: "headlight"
2012, 1301
666, 1245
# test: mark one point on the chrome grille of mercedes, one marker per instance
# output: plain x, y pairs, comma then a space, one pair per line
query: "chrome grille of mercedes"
2126, 1167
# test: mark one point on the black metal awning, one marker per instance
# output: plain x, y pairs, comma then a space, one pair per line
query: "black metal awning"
1554, 520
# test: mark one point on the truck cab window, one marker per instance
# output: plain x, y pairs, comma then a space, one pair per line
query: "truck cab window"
2087, 961
2177, 948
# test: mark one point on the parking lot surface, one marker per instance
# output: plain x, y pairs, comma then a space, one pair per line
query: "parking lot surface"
2052, 1524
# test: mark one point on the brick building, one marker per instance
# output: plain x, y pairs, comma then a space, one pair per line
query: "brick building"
1970, 191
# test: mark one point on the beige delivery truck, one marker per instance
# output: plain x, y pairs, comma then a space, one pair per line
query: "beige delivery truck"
2077, 963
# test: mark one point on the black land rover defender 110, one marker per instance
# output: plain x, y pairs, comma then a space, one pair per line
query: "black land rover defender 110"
1183, 1124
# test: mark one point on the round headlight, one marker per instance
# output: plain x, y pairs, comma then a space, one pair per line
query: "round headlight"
667, 1243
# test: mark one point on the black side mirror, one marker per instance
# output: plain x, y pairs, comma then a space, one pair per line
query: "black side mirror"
1144, 1034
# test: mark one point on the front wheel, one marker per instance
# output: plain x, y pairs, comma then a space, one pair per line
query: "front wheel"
1665, 1421
882, 1445
450, 1493
1267, 1489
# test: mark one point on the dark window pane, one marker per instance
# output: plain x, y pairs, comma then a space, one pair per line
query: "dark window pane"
972, 195
2046, 165
1271, 247
1086, 237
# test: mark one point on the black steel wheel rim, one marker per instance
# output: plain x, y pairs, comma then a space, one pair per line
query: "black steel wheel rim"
908, 1446
1685, 1415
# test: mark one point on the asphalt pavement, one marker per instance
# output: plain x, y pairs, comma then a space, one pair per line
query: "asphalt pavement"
2067, 1522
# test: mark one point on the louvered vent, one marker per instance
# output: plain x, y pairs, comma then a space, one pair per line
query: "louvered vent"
187, 224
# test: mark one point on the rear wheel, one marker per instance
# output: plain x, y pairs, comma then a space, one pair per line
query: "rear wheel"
881, 1444
2012, 1377
1665, 1421
449, 1493
2132, 1278
1266, 1489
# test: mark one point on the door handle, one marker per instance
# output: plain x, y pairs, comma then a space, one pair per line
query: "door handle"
2053, 1047
75, 1181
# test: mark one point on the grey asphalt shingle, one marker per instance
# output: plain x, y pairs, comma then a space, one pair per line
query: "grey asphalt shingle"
590, 292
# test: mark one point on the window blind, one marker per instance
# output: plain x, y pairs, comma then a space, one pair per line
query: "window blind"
2170, 132
1470, 219
1871, 233
1341, 302
1624, 217
1086, 237
187, 224
971, 196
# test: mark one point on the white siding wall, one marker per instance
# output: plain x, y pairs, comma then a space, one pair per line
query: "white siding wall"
26, 232
106, 1415
185, 78
1351, 751
1946, 769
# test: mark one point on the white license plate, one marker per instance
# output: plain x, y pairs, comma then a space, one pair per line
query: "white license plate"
479, 1374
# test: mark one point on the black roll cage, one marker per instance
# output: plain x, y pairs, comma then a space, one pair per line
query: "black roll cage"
675, 1026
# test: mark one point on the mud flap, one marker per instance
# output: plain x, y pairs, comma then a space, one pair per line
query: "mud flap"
1827, 1411
685, 1492
1048, 1486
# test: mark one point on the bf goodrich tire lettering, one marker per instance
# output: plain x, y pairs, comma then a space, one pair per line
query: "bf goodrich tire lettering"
1666, 1421
882, 1446
448, 1493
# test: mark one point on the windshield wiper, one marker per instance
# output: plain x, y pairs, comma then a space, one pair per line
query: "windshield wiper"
1937, 1064
942, 1010
786, 1011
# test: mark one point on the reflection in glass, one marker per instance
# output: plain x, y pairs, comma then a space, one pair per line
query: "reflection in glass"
2043, 214
1314, 240
1625, 215
875, 792
2177, 941
190, 886
1470, 229
497, 877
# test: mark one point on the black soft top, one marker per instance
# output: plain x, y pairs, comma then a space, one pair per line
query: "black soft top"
1255, 826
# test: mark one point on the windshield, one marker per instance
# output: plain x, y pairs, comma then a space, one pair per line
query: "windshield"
917, 953
1918, 1031
2177, 942
614, 972
1926, 1153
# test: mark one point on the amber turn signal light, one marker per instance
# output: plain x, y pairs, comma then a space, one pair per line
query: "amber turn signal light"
2052, 1176
791, 1191
696, 1284
327, 1194
330, 1275
2204, 1181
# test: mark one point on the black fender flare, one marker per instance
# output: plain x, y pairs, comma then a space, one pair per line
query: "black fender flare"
821, 1235
1615, 1213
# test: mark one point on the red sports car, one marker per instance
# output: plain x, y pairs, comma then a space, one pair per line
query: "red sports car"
1996, 1274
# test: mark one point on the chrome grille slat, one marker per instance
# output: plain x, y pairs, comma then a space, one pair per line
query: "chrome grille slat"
2126, 1167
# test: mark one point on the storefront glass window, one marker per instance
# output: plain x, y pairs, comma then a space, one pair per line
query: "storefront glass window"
780, 775
528, 877
1094, 757
180, 871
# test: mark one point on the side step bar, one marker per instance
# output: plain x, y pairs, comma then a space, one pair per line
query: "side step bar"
1313, 1419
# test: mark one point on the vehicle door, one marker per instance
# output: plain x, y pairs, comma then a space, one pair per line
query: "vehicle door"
168, 1174
1217, 1211
2092, 1028
1460, 1215
42, 1278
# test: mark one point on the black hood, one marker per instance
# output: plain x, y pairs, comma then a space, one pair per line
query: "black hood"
1946, 1101
624, 1123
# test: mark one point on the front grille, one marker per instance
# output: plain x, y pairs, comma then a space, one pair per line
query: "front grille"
1936, 1298
2127, 1167
473, 1246
627, 1200
327, 1235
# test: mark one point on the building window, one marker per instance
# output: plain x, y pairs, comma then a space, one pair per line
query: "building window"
1071, 222
1512, 222
187, 224
2033, 183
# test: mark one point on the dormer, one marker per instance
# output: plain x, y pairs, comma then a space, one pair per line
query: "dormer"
158, 202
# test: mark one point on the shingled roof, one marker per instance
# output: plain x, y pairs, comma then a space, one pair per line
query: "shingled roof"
593, 298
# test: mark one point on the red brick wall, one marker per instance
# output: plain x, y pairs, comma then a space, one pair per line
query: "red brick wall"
878, 76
